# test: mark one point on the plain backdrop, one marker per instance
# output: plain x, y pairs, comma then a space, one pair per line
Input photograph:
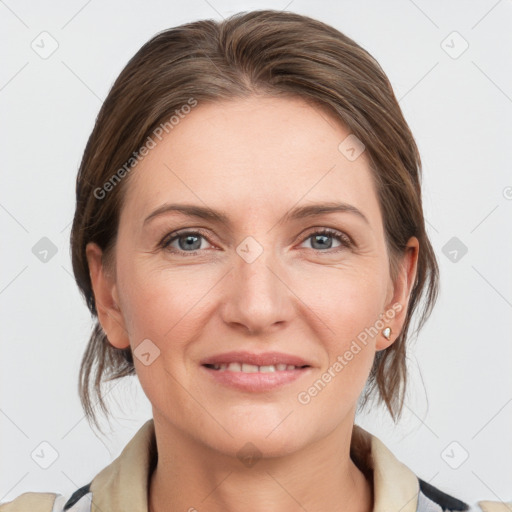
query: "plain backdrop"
451, 68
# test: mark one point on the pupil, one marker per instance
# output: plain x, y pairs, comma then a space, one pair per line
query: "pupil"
322, 237
189, 242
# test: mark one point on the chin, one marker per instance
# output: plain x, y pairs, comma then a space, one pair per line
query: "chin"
266, 436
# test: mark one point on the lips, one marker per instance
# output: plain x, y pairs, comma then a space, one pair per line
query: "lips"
255, 373
251, 362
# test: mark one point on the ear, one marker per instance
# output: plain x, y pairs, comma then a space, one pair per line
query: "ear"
106, 298
400, 291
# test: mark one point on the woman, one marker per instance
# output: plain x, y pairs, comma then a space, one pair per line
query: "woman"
249, 233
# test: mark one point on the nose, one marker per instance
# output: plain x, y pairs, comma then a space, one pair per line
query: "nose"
257, 298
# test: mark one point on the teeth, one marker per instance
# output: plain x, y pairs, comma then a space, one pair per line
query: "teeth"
249, 368
252, 368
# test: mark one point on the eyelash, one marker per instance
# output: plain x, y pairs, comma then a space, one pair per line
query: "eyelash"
345, 240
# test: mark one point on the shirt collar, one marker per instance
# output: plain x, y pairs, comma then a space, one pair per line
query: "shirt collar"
123, 484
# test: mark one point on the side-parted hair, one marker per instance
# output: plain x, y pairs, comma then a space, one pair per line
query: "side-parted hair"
271, 53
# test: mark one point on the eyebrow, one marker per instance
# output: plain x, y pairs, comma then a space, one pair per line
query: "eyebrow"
300, 212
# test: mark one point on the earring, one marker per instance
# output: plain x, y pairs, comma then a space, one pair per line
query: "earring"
386, 332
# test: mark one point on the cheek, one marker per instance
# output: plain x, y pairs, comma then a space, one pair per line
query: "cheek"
162, 304
347, 304
165, 307
346, 299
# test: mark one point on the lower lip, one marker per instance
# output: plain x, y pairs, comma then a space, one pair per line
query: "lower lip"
257, 381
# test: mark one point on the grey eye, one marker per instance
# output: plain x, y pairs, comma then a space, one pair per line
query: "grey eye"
192, 242
323, 240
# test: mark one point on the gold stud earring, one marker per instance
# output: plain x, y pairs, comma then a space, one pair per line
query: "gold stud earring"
386, 332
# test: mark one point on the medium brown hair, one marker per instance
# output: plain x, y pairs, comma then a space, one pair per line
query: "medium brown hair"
268, 52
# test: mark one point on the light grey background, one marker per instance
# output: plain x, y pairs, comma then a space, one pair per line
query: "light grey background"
459, 106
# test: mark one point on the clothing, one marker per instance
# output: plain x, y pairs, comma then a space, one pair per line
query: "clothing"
122, 486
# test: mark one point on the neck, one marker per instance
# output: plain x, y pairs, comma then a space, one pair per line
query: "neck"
192, 476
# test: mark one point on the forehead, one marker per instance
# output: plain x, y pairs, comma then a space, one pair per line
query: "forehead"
249, 154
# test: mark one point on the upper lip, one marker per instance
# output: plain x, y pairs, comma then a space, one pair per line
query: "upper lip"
263, 359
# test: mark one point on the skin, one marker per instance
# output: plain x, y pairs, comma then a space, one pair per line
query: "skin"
253, 159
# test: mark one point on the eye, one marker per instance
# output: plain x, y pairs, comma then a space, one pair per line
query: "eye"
322, 240
187, 242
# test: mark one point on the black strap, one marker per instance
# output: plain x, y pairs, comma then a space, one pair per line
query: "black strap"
445, 501
79, 493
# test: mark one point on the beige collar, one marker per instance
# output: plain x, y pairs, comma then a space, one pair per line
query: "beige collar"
123, 484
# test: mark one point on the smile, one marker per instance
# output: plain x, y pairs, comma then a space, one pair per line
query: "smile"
255, 372
252, 368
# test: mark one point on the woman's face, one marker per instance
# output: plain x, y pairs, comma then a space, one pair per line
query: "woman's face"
254, 273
